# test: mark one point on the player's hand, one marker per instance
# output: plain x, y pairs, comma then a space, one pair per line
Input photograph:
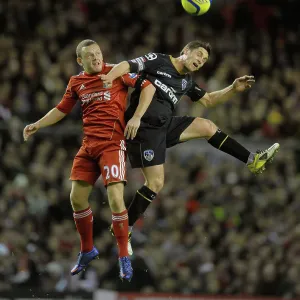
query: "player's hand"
243, 83
132, 127
30, 130
107, 80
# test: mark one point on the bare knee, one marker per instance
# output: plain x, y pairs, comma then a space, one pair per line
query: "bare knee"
155, 184
208, 127
79, 195
115, 193
78, 203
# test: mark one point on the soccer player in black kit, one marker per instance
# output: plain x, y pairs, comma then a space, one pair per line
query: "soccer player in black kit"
158, 129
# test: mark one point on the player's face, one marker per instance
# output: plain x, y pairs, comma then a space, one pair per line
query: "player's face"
91, 59
195, 59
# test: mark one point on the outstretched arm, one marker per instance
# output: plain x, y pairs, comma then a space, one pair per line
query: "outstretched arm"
218, 97
117, 71
136, 65
52, 117
134, 123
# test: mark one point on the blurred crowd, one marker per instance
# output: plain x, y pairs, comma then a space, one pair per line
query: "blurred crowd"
214, 229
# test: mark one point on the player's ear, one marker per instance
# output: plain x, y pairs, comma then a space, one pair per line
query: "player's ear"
184, 54
79, 61
186, 51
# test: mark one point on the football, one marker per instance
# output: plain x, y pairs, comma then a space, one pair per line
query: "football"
196, 7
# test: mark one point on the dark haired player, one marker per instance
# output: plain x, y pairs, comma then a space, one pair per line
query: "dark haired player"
160, 130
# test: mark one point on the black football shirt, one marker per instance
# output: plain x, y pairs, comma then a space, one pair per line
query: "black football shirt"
170, 84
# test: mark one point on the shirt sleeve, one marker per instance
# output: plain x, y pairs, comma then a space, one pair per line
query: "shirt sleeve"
135, 81
148, 61
69, 99
195, 92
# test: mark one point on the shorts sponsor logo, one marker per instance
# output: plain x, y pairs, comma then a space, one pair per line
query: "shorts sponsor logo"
149, 154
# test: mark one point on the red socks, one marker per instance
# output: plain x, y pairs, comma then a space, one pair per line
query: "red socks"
120, 226
84, 224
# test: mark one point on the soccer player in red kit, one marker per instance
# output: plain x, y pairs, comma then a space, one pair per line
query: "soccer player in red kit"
103, 147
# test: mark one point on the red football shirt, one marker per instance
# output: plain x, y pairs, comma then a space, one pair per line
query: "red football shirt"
102, 109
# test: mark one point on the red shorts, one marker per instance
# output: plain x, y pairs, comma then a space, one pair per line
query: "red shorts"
96, 157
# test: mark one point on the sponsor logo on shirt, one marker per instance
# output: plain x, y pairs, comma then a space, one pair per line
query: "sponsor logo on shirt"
96, 96
164, 74
183, 84
167, 90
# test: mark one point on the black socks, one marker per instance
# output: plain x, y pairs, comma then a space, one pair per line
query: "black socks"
139, 204
225, 143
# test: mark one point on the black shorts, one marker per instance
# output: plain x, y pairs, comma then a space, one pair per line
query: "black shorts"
150, 144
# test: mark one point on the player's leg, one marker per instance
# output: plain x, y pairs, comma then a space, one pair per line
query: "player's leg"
79, 195
113, 170
115, 192
203, 128
84, 173
148, 155
154, 182
82, 213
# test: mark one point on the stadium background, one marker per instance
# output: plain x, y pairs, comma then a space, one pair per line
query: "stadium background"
215, 229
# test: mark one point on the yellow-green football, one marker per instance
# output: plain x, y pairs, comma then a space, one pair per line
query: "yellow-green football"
196, 7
